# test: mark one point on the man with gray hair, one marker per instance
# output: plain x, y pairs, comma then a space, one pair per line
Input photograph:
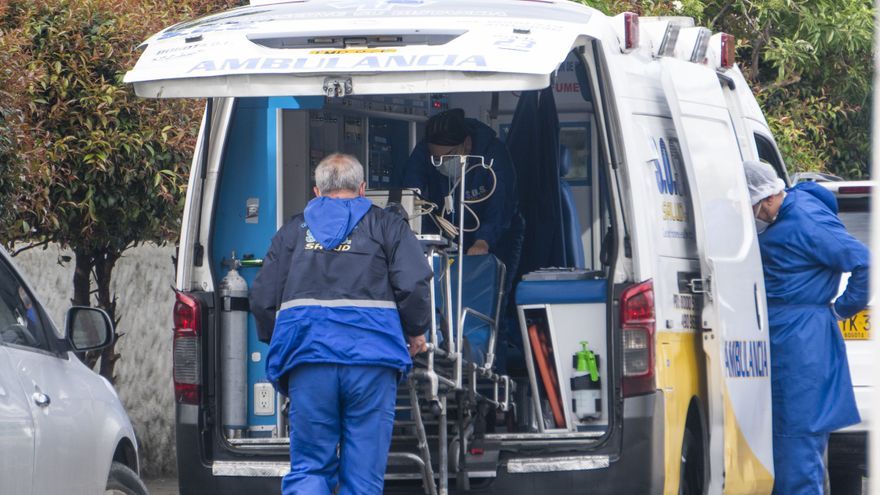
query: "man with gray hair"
343, 299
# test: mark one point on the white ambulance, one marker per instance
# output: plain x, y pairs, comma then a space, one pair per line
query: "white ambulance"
649, 122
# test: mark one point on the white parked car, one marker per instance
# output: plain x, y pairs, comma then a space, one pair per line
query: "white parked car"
62, 426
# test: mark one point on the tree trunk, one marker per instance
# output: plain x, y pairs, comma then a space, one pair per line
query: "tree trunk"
102, 262
82, 279
105, 261
82, 295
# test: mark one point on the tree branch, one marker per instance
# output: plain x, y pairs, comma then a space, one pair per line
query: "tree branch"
784, 83
720, 13
28, 247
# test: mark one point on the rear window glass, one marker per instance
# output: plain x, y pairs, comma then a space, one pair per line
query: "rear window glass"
857, 222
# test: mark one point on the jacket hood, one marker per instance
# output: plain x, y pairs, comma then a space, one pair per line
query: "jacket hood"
331, 220
819, 192
482, 136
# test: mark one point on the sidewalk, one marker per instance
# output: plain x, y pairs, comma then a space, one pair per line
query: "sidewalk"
162, 486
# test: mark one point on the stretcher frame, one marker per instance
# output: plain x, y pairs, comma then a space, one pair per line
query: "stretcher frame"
443, 373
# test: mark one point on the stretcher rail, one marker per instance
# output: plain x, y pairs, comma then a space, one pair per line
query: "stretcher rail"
442, 374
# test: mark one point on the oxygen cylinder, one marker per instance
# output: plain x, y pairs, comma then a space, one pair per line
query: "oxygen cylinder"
586, 390
233, 351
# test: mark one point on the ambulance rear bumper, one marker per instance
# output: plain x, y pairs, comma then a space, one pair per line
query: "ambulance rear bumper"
634, 465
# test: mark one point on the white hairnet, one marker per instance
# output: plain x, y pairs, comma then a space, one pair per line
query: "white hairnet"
763, 181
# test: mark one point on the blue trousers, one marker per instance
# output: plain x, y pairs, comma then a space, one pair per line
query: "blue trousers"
351, 407
799, 463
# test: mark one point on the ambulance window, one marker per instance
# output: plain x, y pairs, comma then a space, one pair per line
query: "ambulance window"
768, 153
576, 138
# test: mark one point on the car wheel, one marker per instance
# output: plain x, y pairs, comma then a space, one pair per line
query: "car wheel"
691, 474
124, 481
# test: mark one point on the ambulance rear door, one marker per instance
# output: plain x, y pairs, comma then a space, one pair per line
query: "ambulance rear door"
734, 318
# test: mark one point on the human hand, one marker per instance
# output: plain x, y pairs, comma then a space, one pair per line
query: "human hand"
416, 345
479, 247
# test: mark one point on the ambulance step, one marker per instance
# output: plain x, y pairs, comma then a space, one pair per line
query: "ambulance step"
250, 468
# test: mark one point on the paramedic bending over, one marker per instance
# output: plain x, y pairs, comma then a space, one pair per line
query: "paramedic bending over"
805, 249
349, 283
494, 202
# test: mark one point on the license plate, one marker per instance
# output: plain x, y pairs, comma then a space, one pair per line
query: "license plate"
857, 327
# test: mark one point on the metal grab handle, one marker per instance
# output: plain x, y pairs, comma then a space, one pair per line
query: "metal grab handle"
41, 399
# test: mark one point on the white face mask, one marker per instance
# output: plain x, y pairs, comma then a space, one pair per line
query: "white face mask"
448, 165
760, 224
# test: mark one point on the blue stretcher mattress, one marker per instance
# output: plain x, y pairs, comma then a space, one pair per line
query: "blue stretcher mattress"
561, 292
481, 285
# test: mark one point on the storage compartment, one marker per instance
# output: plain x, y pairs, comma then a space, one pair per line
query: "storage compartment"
562, 316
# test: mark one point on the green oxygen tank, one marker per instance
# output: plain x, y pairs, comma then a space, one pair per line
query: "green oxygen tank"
586, 389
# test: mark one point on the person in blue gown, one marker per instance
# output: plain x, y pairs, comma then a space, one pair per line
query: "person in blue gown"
805, 249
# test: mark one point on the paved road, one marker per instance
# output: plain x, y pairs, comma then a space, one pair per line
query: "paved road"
162, 486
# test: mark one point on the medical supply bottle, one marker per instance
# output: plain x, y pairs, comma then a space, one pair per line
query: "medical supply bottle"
586, 389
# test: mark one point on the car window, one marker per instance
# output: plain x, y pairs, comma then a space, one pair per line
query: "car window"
20, 319
767, 153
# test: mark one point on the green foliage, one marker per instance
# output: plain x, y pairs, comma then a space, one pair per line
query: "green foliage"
103, 169
809, 64
85, 163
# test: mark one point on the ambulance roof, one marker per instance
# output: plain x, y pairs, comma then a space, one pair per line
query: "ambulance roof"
254, 50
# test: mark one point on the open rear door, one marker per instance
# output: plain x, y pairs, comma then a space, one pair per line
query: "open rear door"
734, 319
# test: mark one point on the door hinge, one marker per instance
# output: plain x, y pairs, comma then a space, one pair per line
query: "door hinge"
337, 88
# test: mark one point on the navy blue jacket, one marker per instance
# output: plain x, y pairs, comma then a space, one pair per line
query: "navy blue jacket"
496, 212
341, 283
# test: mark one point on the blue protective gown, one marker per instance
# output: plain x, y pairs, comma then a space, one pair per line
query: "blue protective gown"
804, 253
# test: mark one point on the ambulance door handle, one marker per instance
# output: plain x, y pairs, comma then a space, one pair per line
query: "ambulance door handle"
41, 399
758, 307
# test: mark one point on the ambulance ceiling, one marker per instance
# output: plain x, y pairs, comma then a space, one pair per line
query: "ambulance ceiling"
384, 46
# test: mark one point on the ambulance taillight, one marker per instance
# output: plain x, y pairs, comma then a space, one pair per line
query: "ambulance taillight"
186, 350
631, 30
627, 27
638, 323
728, 50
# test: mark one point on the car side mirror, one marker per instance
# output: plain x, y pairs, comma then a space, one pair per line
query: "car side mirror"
88, 329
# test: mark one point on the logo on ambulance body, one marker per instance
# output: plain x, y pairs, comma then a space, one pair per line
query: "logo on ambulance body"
668, 181
746, 359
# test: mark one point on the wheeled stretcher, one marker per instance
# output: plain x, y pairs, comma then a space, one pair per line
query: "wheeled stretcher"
454, 386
